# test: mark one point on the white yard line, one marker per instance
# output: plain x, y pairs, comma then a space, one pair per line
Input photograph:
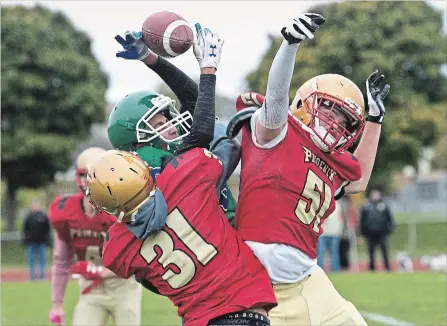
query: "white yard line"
386, 320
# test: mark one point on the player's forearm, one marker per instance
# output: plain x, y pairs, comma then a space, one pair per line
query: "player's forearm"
202, 129
274, 111
183, 86
278, 85
62, 258
366, 154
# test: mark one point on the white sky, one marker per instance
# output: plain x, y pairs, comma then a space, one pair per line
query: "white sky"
243, 24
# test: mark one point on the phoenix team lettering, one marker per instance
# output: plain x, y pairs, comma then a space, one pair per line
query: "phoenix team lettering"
311, 157
81, 233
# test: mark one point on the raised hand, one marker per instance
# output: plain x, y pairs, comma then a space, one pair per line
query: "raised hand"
302, 27
133, 45
377, 92
207, 47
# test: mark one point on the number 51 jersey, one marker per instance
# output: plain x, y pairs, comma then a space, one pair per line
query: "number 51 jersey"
287, 192
197, 259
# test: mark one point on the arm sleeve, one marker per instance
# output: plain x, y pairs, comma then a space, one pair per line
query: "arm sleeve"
183, 86
62, 259
202, 130
276, 105
227, 150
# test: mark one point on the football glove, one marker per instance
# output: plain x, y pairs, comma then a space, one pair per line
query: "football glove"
87, 270
302, 27
376, 94
207, 47
134, 46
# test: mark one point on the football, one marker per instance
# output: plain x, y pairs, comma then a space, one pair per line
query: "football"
167, 34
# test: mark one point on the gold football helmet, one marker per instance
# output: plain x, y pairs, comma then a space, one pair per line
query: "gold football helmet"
87, 157
119, 183
314, 104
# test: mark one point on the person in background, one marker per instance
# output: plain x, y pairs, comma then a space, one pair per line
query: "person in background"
36, 238
349, 219
330, 239
376, 224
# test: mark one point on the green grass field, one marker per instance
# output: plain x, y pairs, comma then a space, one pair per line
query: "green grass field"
419, 298
431, 240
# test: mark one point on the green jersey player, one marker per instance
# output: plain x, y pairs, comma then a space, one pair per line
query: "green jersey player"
149, 123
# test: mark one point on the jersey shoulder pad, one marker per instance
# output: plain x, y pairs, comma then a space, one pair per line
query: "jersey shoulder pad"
352, 168
63, 202
118, 245
57, 215
59, 206
189, 158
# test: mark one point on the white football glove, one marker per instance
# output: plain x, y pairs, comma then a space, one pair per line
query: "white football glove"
376, 95
302, 27
207, 47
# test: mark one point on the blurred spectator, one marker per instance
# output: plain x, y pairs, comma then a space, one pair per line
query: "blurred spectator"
376, 224
330, 240
349, 220
36, 237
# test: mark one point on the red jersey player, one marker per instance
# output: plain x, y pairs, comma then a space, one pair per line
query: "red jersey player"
80, 231
294, 164
194, 257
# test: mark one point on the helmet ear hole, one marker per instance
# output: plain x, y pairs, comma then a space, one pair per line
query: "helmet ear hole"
299, 104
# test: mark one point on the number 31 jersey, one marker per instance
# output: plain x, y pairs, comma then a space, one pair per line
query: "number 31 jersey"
287, 192
197, 259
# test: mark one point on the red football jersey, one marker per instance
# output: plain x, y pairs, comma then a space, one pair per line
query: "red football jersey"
197, 260
84, 234
287, 192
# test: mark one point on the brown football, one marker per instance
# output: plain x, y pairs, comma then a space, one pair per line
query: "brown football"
167, 34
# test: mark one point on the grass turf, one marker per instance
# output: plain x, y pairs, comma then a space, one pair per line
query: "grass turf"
417, 297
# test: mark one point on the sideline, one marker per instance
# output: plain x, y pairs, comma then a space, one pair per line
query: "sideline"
385, 320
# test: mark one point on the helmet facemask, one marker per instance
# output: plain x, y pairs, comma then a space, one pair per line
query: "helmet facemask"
182, 122
326, 132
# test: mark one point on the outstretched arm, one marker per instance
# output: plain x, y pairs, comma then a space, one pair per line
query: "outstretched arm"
183, 87
272, 117
367, 149
366, 155
202, 129
207, 50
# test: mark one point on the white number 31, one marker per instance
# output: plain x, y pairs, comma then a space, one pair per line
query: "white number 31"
202, 250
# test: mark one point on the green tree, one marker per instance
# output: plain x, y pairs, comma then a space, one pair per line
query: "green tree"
404, 41
52, 91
